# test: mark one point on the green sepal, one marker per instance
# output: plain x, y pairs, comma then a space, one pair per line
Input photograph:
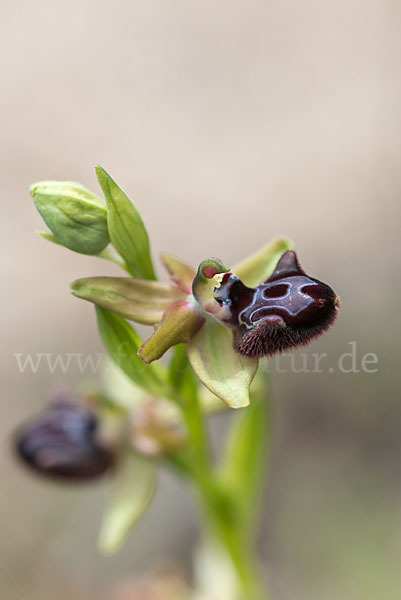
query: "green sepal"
134, 487
139, 300
220, 368
259, 266
209, 402
126, 228
75, 216
180, 322
122, 343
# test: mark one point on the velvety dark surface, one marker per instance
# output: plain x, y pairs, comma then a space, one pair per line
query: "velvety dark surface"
286, 311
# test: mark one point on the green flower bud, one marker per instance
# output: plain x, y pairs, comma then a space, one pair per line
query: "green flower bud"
75, 216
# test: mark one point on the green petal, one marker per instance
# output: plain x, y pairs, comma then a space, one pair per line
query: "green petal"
180, 322
139, 300
76, 217
134, 488
260, 265
181, 273
222, 370
122, 343
126, 228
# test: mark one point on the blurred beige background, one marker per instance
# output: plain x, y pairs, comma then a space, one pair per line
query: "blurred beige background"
229, 123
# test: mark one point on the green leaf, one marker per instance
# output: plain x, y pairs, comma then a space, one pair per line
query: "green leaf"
139, 300
259, 266
134, 488
75, 216
243, 459
122, 343
126, 228
222, 370
125, 394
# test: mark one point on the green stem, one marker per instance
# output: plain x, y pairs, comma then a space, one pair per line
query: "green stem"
240, 554
228, 528
113, 256
227, 491
199, 455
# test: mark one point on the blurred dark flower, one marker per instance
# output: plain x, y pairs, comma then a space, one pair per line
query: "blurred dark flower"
62, 443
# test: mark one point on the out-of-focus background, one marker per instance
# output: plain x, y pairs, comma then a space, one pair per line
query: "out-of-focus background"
229, 123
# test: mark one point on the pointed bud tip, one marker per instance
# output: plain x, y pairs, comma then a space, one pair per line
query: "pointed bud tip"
101, 175
33, 188
75, 287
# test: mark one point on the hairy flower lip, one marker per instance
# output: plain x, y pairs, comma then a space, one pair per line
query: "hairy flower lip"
287, 310
270, 337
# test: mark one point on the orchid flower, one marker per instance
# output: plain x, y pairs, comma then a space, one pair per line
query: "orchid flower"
220, 321
228, 318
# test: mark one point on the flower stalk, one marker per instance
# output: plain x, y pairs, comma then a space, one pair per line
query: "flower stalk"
228, 508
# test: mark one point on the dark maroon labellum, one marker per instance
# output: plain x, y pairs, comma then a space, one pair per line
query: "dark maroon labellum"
61, 443
288, 310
